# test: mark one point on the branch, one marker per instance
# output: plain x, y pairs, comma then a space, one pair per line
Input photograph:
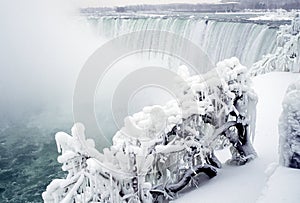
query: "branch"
208, 170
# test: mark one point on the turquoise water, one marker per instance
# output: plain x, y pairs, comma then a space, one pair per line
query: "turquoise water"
27, 163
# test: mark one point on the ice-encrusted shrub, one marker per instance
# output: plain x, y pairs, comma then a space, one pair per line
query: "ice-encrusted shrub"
162, 150
289, 127
287, 54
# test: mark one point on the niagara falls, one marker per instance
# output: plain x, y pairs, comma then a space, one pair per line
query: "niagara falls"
147, 101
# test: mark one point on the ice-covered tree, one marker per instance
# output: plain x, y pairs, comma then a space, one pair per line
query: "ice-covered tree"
289, 127
161, 150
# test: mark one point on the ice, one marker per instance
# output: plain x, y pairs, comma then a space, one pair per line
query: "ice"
166, 149
131, 128
183, 72
287, 54
160, 149
289, 127
52, 194
66, 142
68, 155
262, 180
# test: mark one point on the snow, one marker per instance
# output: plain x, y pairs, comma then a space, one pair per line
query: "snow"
260, 180
144, 152
279, 15
283, 186
150, 149
286, 56
271, 89
289, 127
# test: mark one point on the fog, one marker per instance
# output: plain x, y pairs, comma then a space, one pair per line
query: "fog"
43, 45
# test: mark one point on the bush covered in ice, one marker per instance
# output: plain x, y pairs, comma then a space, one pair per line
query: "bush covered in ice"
287, 54
289, 127
161, 150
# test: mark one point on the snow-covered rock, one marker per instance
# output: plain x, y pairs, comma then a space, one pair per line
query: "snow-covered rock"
289, 127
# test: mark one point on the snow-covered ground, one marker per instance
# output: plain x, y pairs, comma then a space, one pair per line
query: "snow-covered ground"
261, 180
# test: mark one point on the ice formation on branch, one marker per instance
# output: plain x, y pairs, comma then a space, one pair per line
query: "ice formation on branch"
161, 150
287, 53
289, 127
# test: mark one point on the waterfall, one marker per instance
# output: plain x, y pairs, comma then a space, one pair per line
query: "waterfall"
220, 40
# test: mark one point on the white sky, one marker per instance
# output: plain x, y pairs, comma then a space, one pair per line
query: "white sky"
102, 3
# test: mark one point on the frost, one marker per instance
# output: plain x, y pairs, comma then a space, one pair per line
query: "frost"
161, 149
289, 127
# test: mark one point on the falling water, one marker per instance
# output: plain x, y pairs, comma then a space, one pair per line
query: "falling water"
220, 40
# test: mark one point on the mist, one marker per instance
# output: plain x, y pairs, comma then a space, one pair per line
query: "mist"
43, 45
